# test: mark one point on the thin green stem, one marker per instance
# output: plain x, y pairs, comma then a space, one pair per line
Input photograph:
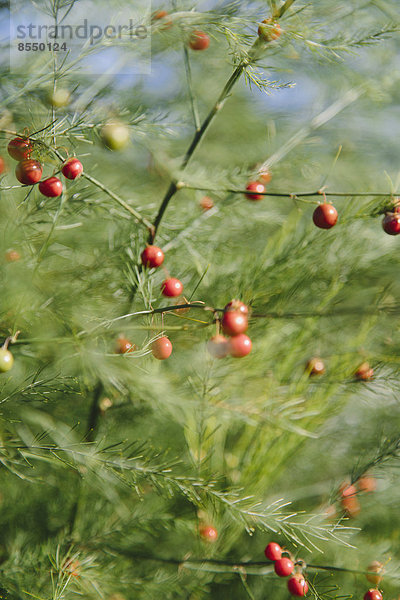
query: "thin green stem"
290, 195
281, 11
250, 567
173, 188
192, 97
121, 202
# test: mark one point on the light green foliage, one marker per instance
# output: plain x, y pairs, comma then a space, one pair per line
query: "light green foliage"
254, 446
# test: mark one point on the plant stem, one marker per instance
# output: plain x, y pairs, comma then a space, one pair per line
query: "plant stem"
93, 417
173, 188
94, 413
292, 195
193, 101
121, 202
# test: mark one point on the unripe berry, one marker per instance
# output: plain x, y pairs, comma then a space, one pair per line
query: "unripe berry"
199, 40
60, 98
391, 223
28, 171
161, 348
218, 346
51, 187
255, 186
184, 309
284, 567
234, 322
325, 216
240, 346
273, 551
72, 168
2, 165
6, 360
172, 287
20, 148
152, 257
297, 585
115, 135
378, 568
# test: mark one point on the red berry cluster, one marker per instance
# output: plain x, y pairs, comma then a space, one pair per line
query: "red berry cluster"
152, 257
284, 567
29, 171
234, 324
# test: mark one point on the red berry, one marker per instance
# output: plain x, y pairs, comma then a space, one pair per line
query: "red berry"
325, 216
28, 171
218, 346
208, 533
255, 186
269, 30
351, 506
273, 551
240, 346
161, 15
206, 203
161, 348
152, 257
234, 322
237, 305
346, 490
124, 345
12, 256
367, 483
315, 366
172, 287
391, 223
72, 169
297, 585
265, 176
2, 165
51, 187
364, 372
20, 148
199, 40
284, 567
373, 595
